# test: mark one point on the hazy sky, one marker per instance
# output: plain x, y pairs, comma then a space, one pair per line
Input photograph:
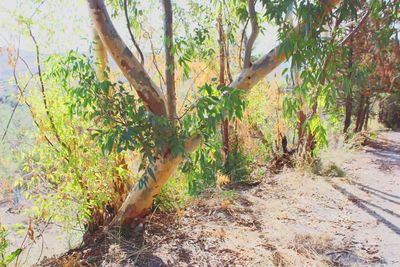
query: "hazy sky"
62, 25
68, 25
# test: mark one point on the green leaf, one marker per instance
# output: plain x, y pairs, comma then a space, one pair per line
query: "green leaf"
8, 259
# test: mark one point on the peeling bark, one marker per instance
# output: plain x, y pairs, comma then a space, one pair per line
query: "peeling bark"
139, 201
127, 62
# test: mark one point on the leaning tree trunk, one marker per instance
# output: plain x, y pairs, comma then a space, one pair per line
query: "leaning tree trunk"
140, 200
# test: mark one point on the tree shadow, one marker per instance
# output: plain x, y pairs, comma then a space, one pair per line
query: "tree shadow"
362, 204
378, 195
374, 189
387, 152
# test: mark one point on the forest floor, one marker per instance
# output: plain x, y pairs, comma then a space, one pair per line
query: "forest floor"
295, 218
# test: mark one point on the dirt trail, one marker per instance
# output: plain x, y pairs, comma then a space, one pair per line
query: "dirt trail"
297, 219
374, 188
292, 219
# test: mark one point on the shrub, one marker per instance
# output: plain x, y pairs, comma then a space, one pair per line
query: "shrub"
6, 259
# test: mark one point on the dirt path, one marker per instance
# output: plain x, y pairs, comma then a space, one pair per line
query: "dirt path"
292, 219
374, 188
296, 219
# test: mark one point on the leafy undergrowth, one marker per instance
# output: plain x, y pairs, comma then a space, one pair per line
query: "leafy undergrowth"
292, 219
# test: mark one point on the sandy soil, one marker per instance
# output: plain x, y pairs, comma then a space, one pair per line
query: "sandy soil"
291, 219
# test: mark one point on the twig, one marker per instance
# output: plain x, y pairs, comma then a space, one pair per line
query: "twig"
154, 55
128, 24
37, 8
191, 86
20, 96
26, 102
14, 109
44, 94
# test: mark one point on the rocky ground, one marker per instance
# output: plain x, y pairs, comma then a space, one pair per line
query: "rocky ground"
291, 219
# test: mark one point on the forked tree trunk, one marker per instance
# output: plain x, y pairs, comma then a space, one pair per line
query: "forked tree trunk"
140, 200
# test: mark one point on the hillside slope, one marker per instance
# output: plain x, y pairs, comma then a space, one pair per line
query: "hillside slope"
292, 219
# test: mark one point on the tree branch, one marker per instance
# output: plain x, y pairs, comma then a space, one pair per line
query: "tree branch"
128, 24
21, 91
126, 61
242, 40
14, 110
46, 106
169, 59
221, 44
254, 33
228, 66
154, 57
250, 76
356, 29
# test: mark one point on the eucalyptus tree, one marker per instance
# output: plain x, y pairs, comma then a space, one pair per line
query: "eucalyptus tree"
162, 107
147, 120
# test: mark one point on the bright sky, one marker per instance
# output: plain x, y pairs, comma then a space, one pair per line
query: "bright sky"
62, 25
68, 25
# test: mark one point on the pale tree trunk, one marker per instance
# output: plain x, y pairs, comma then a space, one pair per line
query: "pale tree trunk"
151, 95
254, 33
101, 55
140, 200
